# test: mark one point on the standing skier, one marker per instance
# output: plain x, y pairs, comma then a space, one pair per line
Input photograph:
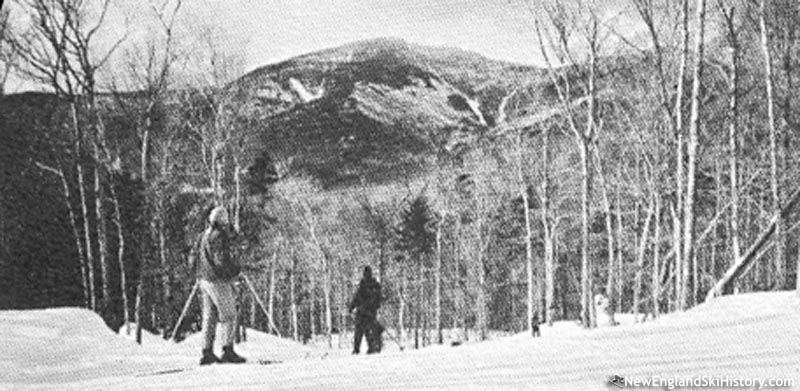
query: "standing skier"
366, 302
216, 273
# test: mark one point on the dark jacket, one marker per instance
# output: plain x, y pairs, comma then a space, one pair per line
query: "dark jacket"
368, 297
215, 262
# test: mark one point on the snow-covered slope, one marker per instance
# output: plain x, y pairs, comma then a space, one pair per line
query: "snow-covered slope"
747, 336
66, 345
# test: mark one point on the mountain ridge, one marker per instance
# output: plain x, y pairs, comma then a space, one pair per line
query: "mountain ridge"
360, 95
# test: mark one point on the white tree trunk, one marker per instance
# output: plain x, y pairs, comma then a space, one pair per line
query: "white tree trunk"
438, 277
532, 306
271, 302
166, 290
139, 308
586, 266
610, 281
528, 238
656, 281
293, 299
238, 200
691, 172
778, 276
587, 272
743, 264
253, 311
328, 311
326, 277
87, 238
733, 134
123, 275
401, 328
312, 313
547, 233
481, 304
102, 240
73, 221
679, 157
620, 263
637, 287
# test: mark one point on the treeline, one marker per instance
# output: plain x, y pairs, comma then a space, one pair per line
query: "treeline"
649, 174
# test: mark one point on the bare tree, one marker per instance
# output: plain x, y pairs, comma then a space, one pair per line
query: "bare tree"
673, 112
296, 192
123, 275
59, 50
563, 22
732, 35
775, 152
150, 71
640, 258
478, 202
7, 56
548, 230
529, 267
691, 154
752, 254
612, 293
438, 284
656, 270
74, 224
521, 181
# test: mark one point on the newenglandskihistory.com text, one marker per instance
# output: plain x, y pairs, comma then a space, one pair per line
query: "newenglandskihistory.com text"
710, 382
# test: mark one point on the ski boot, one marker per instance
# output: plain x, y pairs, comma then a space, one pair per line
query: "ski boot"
229, 356
209, 357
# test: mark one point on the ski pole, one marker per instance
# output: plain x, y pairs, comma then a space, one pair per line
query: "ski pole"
394, 338
260, 304
185, 309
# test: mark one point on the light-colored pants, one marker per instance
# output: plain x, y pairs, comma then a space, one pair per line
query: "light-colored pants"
219, 305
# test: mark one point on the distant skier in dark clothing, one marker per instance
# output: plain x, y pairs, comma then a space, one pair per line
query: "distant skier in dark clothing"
535, 325
366, 302
216, 273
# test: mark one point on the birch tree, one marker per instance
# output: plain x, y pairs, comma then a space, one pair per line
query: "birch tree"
7, 56
692, 162
60, 50
548, 229
732, 37
672, 110
775, 153
563, 22
150, 68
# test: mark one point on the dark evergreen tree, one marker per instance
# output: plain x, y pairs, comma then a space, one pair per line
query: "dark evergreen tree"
416, 232
416, 239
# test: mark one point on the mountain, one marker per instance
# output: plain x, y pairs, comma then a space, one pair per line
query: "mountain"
372, 110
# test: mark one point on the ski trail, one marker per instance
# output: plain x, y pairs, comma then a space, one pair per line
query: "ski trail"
501, 110
753, 335
305, 95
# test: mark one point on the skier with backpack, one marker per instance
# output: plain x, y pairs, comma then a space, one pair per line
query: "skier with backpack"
365, 304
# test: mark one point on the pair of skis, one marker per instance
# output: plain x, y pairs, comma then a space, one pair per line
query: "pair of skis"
170, 371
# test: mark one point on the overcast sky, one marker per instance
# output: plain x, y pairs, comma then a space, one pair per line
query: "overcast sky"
280, 29
268, 31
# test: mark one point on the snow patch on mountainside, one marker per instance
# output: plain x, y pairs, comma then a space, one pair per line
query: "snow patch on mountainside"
304, 94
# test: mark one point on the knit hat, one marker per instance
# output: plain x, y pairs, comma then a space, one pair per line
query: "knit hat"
218, 215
